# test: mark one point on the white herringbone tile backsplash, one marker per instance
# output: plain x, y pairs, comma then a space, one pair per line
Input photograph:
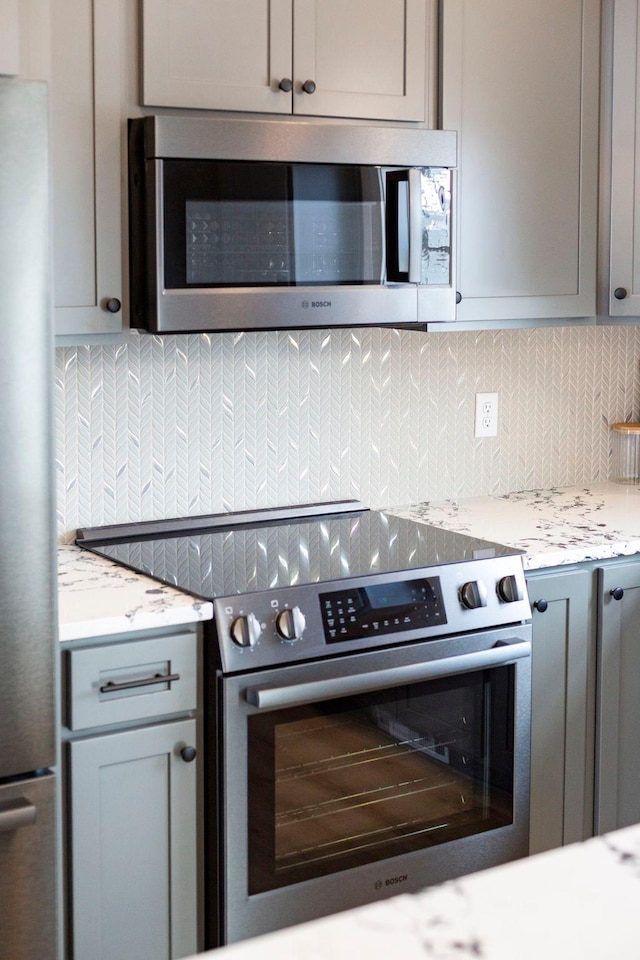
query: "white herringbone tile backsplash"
185, 425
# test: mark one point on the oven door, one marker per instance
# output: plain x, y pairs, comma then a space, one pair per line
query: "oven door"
359, 777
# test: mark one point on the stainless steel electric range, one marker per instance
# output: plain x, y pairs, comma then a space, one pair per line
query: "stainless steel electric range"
366, 700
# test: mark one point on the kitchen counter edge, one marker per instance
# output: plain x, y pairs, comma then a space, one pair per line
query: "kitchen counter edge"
98, 597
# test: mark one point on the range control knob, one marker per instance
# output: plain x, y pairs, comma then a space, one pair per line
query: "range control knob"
245, 630
473, 594
508, 589
290, 624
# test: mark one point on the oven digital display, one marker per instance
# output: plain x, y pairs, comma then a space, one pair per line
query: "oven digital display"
382, 608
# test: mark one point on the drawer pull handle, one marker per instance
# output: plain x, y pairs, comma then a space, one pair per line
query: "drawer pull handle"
617, 593
541, 605
112, 687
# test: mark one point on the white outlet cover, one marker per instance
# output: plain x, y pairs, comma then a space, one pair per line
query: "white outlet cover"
486, 415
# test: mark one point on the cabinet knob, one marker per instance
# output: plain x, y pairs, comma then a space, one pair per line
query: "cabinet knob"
458, 296
286, 85
617, 593
113, 305
620, 293
541, 605
188, 754
309, 86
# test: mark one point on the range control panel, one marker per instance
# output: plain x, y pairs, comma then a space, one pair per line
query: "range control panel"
370, 611
317, 620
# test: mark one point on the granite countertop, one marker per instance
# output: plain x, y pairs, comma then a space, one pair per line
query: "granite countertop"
97, 597
574, 903
556, 526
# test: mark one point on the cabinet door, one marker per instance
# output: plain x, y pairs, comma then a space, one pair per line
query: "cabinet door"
520, 85
133, 845
217, 54
618, 743
9, 37
625, 150
76, 46
86, 73
366, 58
563, 704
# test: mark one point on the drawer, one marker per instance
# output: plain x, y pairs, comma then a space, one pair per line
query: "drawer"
117, 683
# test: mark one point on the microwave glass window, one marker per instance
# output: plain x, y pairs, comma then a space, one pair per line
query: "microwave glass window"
237, 243
356, 780
262, 224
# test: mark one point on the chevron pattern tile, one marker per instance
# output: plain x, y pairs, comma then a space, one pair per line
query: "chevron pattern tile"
161, 427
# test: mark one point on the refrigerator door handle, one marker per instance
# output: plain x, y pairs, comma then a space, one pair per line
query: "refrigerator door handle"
15, 814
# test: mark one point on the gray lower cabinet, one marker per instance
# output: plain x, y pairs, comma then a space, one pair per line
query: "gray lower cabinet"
618, 729
131, 796
133, 801
563, 693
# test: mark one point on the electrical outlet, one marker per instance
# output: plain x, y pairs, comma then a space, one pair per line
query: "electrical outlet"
486, 419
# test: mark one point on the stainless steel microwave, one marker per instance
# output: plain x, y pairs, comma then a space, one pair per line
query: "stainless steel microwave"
263, 224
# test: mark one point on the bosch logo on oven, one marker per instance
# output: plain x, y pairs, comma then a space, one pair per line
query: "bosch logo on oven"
314, 304
391, 881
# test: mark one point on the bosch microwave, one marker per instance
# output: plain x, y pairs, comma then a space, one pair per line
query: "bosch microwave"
239, 224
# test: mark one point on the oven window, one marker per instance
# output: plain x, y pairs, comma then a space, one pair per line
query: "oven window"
352, 781
247, 224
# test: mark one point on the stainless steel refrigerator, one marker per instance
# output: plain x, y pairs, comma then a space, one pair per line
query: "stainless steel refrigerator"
28, 621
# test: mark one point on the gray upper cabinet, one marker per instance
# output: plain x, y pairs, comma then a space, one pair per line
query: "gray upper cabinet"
624, 267
77, 47
9, 37
338, 58
86, 159
520, 84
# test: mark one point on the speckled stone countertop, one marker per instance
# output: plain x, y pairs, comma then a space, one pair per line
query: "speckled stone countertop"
556, 526
97, 597
576, 903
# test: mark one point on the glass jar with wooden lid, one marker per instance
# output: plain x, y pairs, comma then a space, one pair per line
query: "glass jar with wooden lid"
626, 452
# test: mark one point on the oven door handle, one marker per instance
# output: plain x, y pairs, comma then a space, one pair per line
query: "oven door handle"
297, 694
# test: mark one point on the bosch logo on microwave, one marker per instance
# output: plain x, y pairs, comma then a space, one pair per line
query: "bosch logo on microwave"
314, 304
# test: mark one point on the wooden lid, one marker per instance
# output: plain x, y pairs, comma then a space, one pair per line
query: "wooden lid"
626, 427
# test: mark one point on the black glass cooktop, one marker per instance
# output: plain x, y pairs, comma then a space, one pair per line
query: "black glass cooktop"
218, 562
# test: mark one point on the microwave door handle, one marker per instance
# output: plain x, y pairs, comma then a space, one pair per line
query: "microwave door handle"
397, 226
415, 225
298, 694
